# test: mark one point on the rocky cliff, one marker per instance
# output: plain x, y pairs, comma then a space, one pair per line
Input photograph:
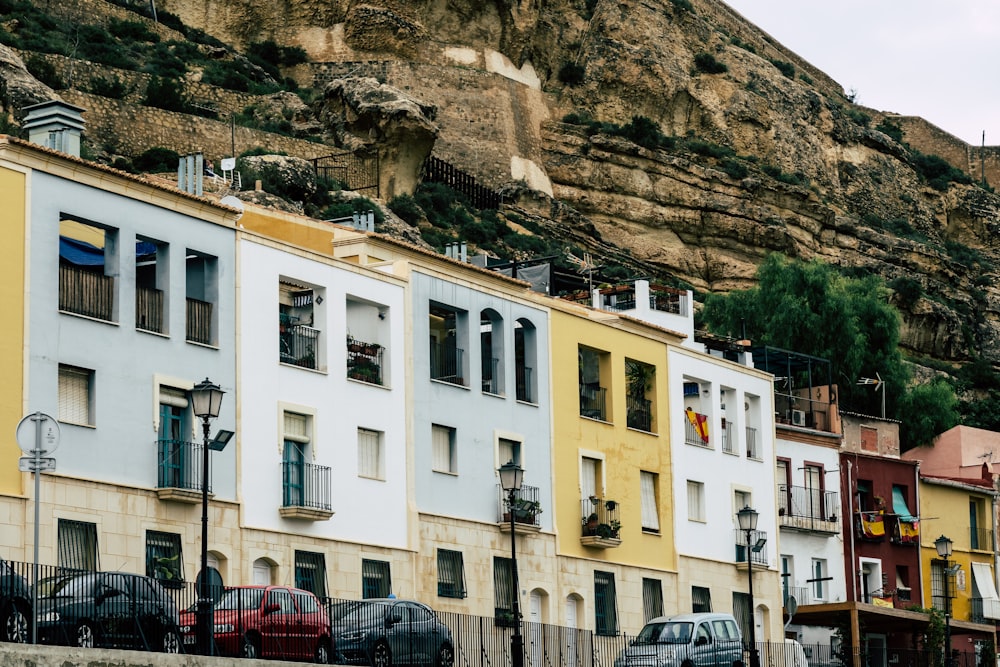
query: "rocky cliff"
766, 152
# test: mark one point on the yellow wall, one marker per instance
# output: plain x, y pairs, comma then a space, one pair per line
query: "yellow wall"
952, 505
13, 191
625, 451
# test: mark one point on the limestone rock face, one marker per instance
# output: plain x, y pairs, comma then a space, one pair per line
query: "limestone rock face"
18, 88
295, 174
361, 113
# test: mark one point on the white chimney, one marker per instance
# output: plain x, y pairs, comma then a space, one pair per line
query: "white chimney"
56, 125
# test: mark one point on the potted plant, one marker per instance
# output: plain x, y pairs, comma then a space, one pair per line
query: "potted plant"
525, 511
590, 524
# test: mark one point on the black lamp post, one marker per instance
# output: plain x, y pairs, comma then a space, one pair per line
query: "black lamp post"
511, 476
943, 546
747, 518
206, 398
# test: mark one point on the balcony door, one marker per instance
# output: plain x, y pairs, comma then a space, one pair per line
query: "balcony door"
295, 459
173, 439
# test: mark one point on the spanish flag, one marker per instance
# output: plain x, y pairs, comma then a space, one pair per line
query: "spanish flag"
700, 423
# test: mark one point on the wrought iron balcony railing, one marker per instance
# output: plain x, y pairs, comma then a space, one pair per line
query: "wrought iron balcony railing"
640, 413
446, 363
758, 556
491, 382
306, 485
592, 401
299, 346
364, 361
527, 506
600, 518
179, 465
523, 374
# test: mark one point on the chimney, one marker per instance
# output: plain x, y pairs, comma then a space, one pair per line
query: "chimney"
55, 124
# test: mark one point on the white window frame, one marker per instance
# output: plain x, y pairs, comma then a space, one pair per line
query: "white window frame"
438, 433
648, 483
817, 571
371, 464
696, 500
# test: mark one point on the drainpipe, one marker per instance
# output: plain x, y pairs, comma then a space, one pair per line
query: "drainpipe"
850, 522
920, 561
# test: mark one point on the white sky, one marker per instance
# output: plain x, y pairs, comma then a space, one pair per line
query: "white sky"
931, 58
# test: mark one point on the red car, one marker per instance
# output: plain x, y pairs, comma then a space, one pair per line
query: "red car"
266, 622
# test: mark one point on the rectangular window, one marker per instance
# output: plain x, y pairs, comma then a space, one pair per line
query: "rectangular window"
741, 610
451, 574
605, 604
443, 443
592, 389
310, 572
937, 585
77, 545
370, 463
503, 587
650, 511
652, 598
376, 581
163, 558
819, 576
202, 297
88, 264
295, 457
696, 501
701, 599
75, 395
509, 450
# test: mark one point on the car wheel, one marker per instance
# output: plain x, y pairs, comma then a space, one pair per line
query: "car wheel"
445, 656
322, 656
737, 663
249, 647
86, 636
381, 655
171, 642
15, 625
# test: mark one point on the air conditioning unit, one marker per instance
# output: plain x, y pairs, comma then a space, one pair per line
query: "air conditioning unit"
799, 417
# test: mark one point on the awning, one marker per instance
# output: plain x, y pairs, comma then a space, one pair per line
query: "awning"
982, 579
82, 253
899, 505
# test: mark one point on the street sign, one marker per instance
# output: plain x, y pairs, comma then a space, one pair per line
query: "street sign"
33, 464
37, 434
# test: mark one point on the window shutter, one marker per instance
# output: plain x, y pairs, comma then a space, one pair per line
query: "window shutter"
74, 395
296, 428
441, 436
650, 516
173, 397
369, 454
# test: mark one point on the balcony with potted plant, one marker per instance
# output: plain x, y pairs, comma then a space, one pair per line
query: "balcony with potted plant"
525, 510
601, 527
364, 361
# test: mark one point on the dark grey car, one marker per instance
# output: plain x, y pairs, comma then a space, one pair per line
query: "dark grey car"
386, 631
15, 606
111, 609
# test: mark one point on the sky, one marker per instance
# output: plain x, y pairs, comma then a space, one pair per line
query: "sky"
927, 58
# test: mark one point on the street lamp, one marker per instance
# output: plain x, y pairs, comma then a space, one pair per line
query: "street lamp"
943, 546
747, 518
511, 476
206, 399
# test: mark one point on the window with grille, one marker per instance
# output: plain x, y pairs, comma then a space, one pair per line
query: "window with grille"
652, 598
77, 544
503, 586
701, 599
370, 461
650, 512
605, 604
741, 610
75, 391
376, 581
310, 572
443, 442
163, 557
451, 574
696, 500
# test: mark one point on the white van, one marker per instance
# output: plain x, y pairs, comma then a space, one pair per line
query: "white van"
686, 640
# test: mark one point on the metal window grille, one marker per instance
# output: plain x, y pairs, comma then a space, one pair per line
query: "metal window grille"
451, 574
701, 599
163, 556
77, 544
652, 598
605, 603
310, 572
74, 394
376, 580
741, 610
503, 583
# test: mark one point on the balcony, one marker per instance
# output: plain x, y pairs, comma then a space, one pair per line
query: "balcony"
305, 491
870, 526
696, 429
981, 539
592, 401
800, 593
758, 557
199, 321
491, 381
984, 610
527, 507
640, 413
179, 471
805, 509
905, 530
298, 346
753, 447
149, 309
446, 363
601, 526
86, 293
523, 374
364, 361
729, 445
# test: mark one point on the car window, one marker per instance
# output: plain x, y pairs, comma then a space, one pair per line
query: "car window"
241, 598
420, 614
734, 631
704, 632
283, 599
307, 603
116, 583
144, 591
722, 630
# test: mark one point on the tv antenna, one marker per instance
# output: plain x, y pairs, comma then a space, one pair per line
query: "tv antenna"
586, 266
879, 384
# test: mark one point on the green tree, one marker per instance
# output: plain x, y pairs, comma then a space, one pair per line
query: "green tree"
926, 411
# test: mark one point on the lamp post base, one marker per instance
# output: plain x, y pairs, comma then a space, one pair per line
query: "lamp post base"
205, 626
516, 649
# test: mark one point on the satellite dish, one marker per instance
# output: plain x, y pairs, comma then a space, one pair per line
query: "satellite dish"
230, 200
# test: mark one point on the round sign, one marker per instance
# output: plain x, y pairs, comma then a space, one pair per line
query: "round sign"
215, 585
37, 434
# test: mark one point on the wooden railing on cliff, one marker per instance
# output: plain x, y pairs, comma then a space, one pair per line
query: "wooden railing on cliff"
436, 170
353, 172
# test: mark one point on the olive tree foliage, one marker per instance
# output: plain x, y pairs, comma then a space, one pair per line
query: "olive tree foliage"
808, 307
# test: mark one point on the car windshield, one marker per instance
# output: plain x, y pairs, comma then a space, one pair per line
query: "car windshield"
241, 598
75, 586
365, 613
665, 633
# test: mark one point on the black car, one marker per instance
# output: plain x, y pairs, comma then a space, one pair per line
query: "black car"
15, 606
110, 609
386, 631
